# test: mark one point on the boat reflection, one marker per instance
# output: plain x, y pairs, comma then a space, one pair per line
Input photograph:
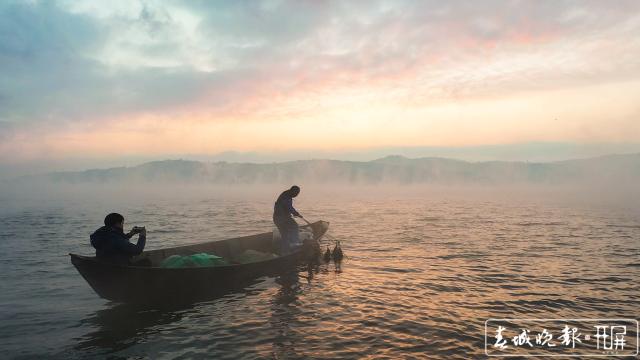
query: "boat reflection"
116, 328
119, 326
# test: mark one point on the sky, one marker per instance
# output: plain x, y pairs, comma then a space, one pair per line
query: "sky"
98, 83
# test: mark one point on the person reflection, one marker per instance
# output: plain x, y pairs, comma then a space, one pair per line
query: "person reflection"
284, 313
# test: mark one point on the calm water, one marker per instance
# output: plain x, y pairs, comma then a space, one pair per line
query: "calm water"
422, 276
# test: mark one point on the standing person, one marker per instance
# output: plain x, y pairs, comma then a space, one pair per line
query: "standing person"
112, 244
283, 213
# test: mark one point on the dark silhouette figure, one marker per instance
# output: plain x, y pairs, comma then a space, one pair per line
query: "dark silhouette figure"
337, 254
112, 244
283, 213
327, 255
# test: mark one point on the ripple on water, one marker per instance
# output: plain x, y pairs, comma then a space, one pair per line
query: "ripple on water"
413, 285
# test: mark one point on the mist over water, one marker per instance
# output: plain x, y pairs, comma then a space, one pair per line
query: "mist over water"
476, 161
425, 267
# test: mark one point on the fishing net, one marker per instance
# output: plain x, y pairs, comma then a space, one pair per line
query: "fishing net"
195, 260
304, 235
250, 256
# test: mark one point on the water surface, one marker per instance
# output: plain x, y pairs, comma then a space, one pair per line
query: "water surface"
422, 275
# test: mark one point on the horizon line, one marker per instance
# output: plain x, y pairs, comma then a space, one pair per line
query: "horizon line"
327, 159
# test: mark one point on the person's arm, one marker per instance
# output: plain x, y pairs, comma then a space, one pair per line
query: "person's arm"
132, 249
293, 211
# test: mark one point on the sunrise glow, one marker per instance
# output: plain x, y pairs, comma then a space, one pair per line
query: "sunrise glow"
156, 78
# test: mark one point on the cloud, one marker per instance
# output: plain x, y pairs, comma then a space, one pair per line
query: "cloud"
82, 63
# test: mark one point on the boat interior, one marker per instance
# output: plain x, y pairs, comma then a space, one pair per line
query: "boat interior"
229, 249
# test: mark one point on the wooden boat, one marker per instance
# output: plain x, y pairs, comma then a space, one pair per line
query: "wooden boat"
155, 284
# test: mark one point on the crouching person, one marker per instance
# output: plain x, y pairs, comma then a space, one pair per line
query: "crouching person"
112, 244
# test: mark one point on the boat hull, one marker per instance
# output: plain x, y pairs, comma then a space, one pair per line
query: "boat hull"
143, 284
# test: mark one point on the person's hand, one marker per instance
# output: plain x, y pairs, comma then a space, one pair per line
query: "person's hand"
143, 231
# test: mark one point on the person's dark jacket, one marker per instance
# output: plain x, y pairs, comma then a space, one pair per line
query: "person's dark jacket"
112, 244
284, 206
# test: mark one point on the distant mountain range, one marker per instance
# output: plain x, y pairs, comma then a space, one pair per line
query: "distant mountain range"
391, 169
